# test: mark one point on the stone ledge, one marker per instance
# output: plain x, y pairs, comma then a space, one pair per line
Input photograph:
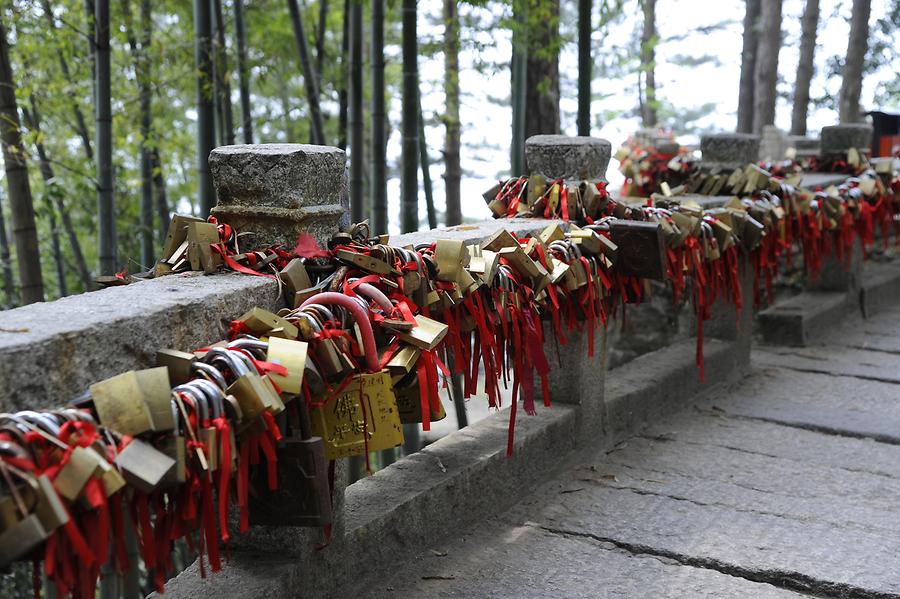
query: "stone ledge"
879, 287
78, 340
799, 320
655, 384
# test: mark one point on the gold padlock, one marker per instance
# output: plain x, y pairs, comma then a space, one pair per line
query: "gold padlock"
291, 355
364, 416
134, 402
409, 402
143, 466
83, 463
27, 532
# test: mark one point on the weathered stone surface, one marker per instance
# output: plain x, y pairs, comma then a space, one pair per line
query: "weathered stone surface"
805, 147
277, 191
562, 156
837, 139
772, 145
728, 150
802, 319
840, 275
51, 352
531, 561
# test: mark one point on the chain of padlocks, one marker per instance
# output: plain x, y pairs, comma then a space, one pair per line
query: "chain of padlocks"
256, 420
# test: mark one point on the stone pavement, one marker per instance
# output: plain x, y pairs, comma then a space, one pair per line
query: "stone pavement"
784, 484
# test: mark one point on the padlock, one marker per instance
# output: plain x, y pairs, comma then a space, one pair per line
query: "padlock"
201, 236
177, 235
292, 356
249, 388
260, 322
426, 335
409, 401
83, 464
134, 402
28, 532
143, 466
178, 363
363, 417
641, 249
303, 497
174, 446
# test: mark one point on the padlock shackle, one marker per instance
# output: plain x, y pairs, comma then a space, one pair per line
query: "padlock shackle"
215, 373
360, 315
373, 293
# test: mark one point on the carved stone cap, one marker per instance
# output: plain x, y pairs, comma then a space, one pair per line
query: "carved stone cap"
729, 150
561, 156
837, 139
277, 191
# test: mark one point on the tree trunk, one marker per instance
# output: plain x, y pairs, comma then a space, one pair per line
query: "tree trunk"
748, 67
80, 122
241, 42
857, 46
409, 192
28, 254
808, 25
542, 77
345, 74
357, 166
223, 91
206, 135
106, 207
648, 63
142, 74
425, 162
766, 73
452, 168
310, 79
33, 121
161, 200
584, 66
9, 284
379, 129
320, 38
518, 76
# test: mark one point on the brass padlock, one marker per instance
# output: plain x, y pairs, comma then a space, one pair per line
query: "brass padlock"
201, 236
28, 532
83, 463
641, 249
291, 355
409, 401
178, 363
364, 416
143, 466
174, 446
134, 402
303, 497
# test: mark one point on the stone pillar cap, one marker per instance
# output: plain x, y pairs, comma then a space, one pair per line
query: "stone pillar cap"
837, 139
277, 191
566, 157
729, 150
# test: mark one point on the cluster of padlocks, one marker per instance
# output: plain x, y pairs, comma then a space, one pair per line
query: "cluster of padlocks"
370, 335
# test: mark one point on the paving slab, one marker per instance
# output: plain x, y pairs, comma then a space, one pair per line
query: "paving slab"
502, 560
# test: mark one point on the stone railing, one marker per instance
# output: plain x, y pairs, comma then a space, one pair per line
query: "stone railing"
52, 352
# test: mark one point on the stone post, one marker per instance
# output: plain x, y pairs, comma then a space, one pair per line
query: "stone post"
773, 144
274, 192
837, 139
728, 151
564, 157
575, 378
805, 147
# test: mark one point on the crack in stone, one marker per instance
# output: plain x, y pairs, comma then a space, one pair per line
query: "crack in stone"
821, 428
893, 352
735, 508
786, 579
862, 377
